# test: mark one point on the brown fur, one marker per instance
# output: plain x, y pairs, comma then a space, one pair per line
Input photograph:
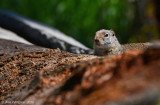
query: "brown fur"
114, 47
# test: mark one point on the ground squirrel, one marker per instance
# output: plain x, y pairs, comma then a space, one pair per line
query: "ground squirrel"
106, 43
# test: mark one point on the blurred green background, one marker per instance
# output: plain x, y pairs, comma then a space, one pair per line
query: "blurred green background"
132, 20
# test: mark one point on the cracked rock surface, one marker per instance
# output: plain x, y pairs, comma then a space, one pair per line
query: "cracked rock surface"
36, 75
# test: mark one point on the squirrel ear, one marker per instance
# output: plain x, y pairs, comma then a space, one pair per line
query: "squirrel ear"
111, 30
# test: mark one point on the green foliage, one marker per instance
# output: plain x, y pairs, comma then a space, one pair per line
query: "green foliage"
77, 18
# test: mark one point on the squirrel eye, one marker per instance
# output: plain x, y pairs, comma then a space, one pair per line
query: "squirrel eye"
106, 35
113, 35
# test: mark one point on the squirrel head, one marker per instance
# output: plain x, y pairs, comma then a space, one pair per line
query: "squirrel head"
105, 38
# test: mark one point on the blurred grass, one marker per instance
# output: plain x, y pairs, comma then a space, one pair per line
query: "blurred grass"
78, 18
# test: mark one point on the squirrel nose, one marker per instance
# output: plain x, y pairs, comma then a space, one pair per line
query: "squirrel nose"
96, 40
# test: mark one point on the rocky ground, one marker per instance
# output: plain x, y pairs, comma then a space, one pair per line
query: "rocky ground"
39, 76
